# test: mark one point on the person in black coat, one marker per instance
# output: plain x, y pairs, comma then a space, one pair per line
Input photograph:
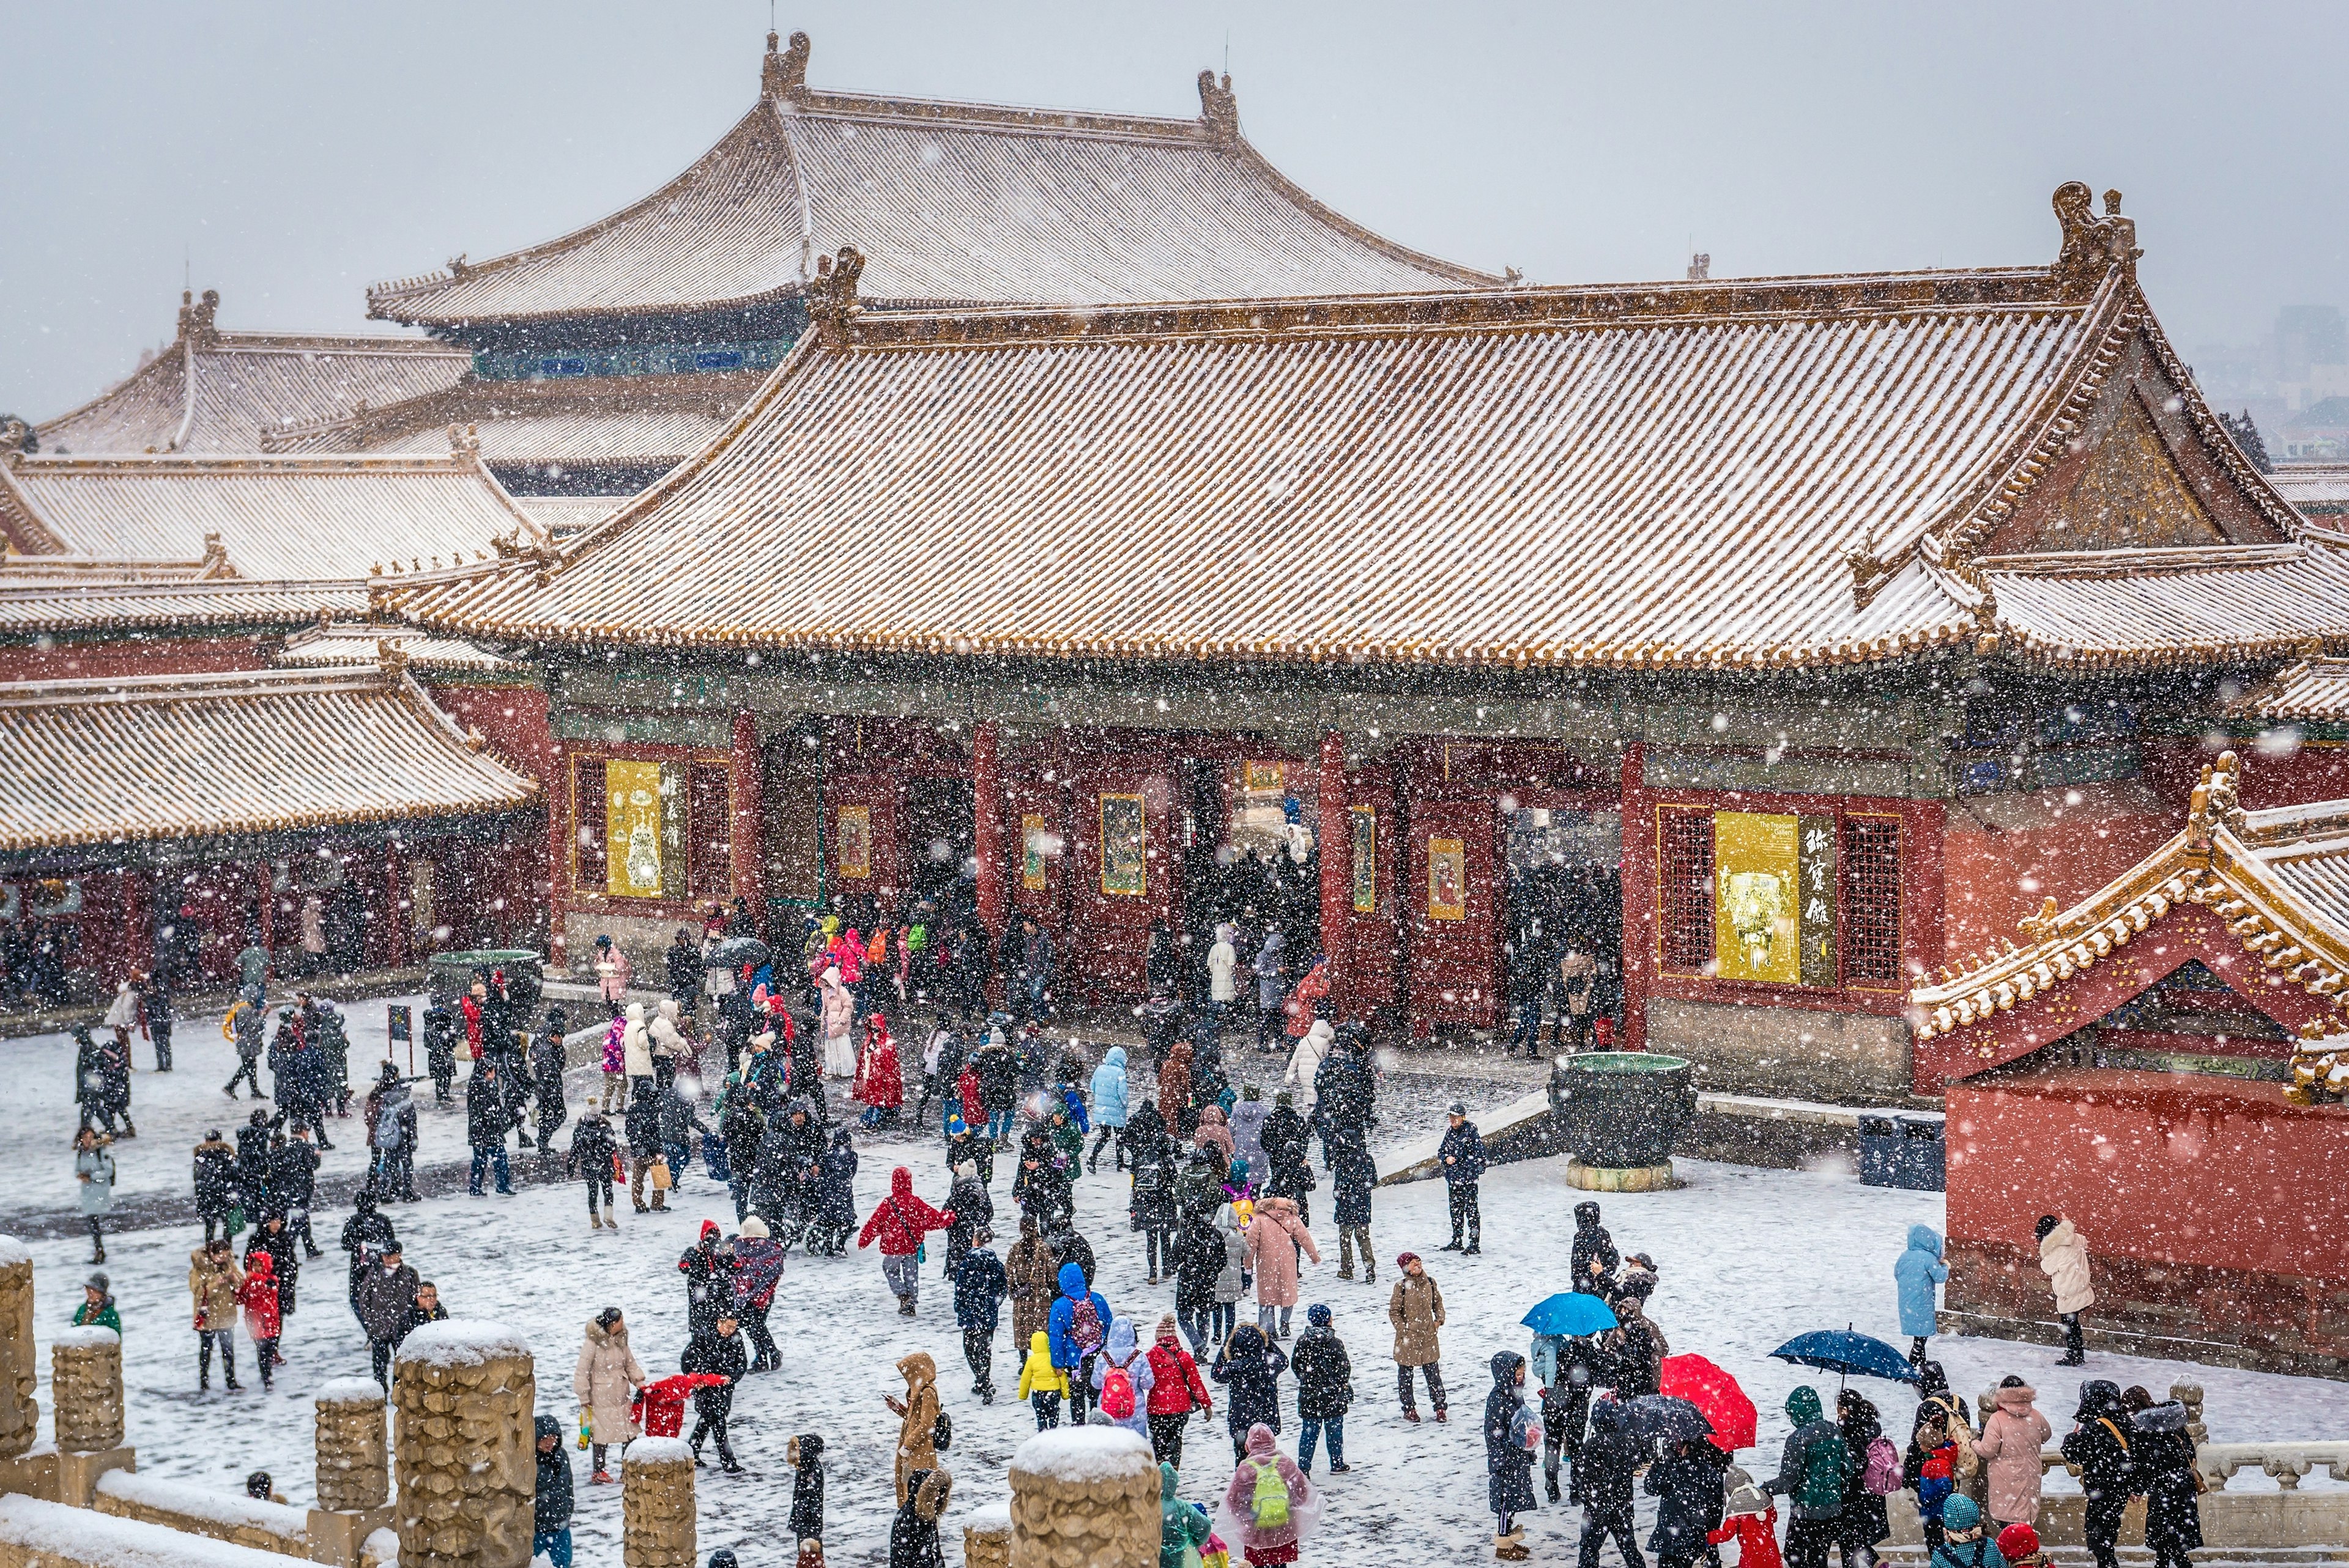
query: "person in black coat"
806, 1457
216, 1181
835, 1195
1325, 1387
640, 1123
1040, 1185
684, 971
549, 1512
2097, 1443
718, 1351
1145, 1133
1604, 1475
980, 1286
707, 1266
253, 1163
547, 1064
2164, 1454
1595, 1258
1462, 1160
974, 1211
1150, 1210
1691, 1478
367, 1233
1285, 1137
272, 1237
741, 1129
1864, 1520
592, 1151
1198, 1263
1508, 1463
293, 1184
485, 1127
913, 1532
1252, 1366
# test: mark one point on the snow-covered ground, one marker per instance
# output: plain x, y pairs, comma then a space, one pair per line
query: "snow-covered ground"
1748, 1259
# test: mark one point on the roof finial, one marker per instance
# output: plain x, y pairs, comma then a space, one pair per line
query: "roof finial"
1219, 108
465, 443
196, 317
832, 294
784, 76
2092, 246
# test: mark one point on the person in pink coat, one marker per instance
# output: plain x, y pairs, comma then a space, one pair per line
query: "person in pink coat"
1273, 1237
2009, 1449
1264, 1545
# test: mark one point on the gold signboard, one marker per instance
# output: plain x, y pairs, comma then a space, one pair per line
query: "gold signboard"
632, 826
1756, 898
852, 836
1366, 859
1447, 880
1124, 847
1032, 852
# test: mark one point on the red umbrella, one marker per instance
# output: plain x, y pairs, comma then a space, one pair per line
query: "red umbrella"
1716, 1393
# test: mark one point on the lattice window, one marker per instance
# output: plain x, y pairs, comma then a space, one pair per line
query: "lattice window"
588, 853
1687, 878
710, 821
1871, 901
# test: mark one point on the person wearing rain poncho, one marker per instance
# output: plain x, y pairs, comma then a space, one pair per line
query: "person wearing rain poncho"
1271, 1509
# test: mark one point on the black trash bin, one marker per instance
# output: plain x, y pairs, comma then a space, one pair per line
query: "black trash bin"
1904, 1151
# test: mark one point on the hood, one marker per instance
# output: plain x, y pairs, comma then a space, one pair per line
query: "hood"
918, 1370
1585, 1216
840, 1140
1607, 1415
1247, 1340
1027, 1227
2164, 1418
2018, 1397
901, 1185
1072, 1282
599, 1335
668, 1008
1114, 1057
1274, 941
709, 1233
1168, 1485
2098, 1397
2056, 1240
1260, 1441
547, 1427
1320, 1034
262, 1266
1041, 1344
1504, 1369
1210, 1115
1925, 1239
636, 1012
805, 1450
754, 1229
1120, 1344
1803, 1405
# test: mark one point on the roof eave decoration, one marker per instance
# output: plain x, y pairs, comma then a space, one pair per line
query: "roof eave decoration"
2218, 862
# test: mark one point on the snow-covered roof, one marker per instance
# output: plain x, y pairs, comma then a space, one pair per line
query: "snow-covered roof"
958, 202
2315, 691
185, 756
282, 518
360, 643
2318, 488
1683, 475
67, 607
214, 391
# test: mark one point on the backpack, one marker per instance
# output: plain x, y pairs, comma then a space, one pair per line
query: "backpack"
1270, 1506
942, 1432
1882, 1477
1117, 1394
1085, 1326
388, 1135
1825, 1465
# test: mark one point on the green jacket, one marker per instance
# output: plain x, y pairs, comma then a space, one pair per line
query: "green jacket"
104, 1317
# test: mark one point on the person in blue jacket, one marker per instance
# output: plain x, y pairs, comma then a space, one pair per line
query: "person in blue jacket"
1076, 1330
1462, 1158
1109, 1107
1916, 1271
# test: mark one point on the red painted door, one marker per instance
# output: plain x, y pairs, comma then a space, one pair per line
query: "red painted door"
1124, 865
864, 837
1452, 906
1370, 839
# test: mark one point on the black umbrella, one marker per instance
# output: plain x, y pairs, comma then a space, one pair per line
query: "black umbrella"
735, 952
1668, 1417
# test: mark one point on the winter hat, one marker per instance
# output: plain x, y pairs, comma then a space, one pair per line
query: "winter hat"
1166, 1329
1404, 1260
2015, 1542
1457, 1108
1318, 1316
1747, 1498
1959, 1512
1803, 1405
1284, 1099
608, 1317
754, 1228
722, 1558
98, 1282
2047, 1223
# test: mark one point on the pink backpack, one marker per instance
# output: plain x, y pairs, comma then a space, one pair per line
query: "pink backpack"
1882, 1477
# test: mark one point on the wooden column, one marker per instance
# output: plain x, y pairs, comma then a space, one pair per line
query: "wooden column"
560, 845
1640, 914
1336, 840
138, 922
987, 825
268, 916
398, 905
747, 850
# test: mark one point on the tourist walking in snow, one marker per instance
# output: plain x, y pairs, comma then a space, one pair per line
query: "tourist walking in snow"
1041, 1384
913, 1531
1605, 1473
1966, 1540
2064, 1259
1122, 1379
707, 1266
1245, 1120
715, 1351
1352, 1175
1508, 1460
1267, 968
1151, 1208
1871, 1464
1223, 959
604, 1383
979, 1287
1305, 1064
245, 1027
613, 973
1813, 1468
1916, 1272
215, 1280
271, 1241
1269, 1508
641, 1126
1461, 1157
2098, 1443
593, 1154
1250, 1365
2164, 1452
256, 1293
918, 1418
93, 1178
1595, 1259
550, 1511
1078, 1327
1275, 1236
485, 1128
1325, 1387
804, 1454
1109, 1114
386, 1294
215, 1182
1176, 1390
1415, 1308
97, 1309
391, 1136
758, 1272
1689, 1480
899, 1222
838, 1016
2012, 1438
546, 1063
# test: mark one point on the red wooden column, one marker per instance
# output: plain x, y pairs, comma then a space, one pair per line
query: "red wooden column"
747, 851
986, 824
138, 922
1337, 845
399, 902
268, 916
1639, 916
559, 845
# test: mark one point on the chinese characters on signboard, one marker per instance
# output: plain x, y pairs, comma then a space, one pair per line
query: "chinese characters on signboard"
1366, 859
1032, 852
1774, 897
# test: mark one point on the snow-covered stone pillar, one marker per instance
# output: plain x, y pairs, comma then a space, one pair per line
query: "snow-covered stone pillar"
656, 1509
1085, 1497
353, 1463
464, 1390
20, 1415
987, 1537
86, 1388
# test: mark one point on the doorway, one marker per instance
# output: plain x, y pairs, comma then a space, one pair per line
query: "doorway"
940, 843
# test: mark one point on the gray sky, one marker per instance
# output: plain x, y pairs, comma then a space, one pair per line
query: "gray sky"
297, 151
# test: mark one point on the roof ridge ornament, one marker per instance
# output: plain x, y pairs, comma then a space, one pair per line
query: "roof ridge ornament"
832, 293
2215, 803
2092, 246
16, 438
1219, 111
465, 443
197, 317
784, 76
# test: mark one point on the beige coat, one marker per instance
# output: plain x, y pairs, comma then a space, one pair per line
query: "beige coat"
214, 1283
2009, 1445
1416, 1310
1033, 1271
605, 1382
916, 1450
2064, 1259
1273, 1238
668, 1040
637, 1043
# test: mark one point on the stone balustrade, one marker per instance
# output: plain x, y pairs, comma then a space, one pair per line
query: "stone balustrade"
1085, 1497
20, 1413
657, 1526
86, 1388
465, 1391
987, 1537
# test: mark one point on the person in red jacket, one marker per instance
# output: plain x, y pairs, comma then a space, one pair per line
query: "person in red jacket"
660, 1408
469, 1005
1752, 1523
880, 1085
900, 1221
258, 1296
1176, 1389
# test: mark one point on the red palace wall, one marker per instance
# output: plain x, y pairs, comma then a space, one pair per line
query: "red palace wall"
107, 661
2211, 1208
2002, 854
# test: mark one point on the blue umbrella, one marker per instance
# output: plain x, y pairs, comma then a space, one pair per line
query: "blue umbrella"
1847, 1355
1570, 1312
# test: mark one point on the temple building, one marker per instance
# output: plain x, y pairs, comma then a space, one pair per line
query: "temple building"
1774, 639
601, 359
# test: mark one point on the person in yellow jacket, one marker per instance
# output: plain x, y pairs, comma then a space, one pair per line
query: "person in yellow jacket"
1041, 1384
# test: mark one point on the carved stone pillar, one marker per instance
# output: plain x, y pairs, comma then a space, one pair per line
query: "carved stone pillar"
656, 1509
2190, 1396
354, 1462
987, 1537
465, 1391
86, 1388
1085, 1497
20, 1415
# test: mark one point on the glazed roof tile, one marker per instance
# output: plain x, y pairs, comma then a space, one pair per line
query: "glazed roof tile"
358, 642
31, 610
2313, 487
2315, 691
171, 757
958, 202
